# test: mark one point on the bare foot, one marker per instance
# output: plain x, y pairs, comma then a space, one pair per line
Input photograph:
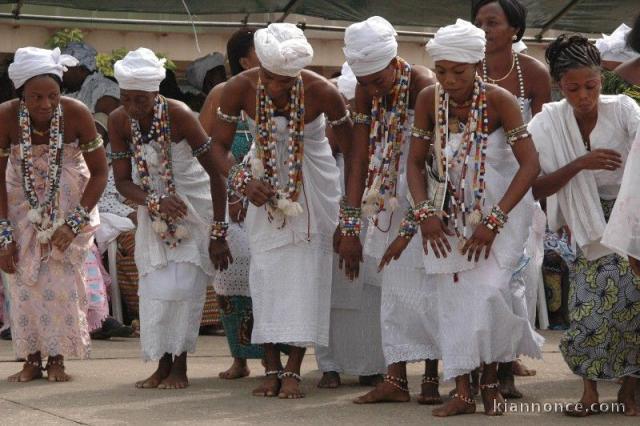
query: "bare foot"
290, 388
29, 372
384, 392
474, 391
455, 406
519, 369
373, 380
329, 380
269, 387
508, 387
237, 370
154, 380
177, 379
55, 373
630, 406
429, 394
492, 399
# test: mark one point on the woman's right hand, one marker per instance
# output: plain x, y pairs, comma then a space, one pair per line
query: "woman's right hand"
9, 258
600, 159
434, 234
173, 206
259, 192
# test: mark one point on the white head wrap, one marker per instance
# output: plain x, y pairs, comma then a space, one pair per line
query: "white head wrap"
462, 42
614, 47
33, 61
197, 70
370, 45
84, 53
519, 46
347, 82
282, 49
140, 70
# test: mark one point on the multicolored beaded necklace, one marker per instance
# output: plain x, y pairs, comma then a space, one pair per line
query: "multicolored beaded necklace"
42, 215
516, 63
265, 165
472, 151
169, 231
386, 133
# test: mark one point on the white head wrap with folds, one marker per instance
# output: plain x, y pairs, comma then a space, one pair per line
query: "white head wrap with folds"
370, 45
614, 47
462, 42
84, 53
198, 69
30, 62
140, 70
347, 82
282, 49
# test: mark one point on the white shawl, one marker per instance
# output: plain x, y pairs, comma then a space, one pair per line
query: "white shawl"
558, 140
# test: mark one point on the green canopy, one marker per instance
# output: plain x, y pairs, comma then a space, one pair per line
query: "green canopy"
589, 16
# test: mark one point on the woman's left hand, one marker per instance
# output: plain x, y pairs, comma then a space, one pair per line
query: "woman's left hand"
63, 237
482, 238
220, 254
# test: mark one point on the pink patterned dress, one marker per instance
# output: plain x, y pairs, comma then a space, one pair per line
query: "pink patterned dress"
48, 299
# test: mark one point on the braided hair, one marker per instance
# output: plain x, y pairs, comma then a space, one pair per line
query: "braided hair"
570, 52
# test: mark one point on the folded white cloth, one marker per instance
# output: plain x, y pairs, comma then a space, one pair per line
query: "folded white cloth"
282, 49
140, 70
462, 42
111, 226
614, 47
33, 61
370, 45
347, 82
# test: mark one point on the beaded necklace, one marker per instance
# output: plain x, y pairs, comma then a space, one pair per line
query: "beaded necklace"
515, 62
472, 150
387, 134
265, 165
169, 231
42, 215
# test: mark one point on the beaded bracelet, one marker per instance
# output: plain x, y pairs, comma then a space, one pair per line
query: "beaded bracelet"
340, 121
6, 233
426, 135
516, 130
408, 226
350, 221
92, 145
198, 151
120, 155
423, 210
153, 203
5, 152
496, 219
360, 118
77, 219
239, 177
226, 117
512, 139
219, 230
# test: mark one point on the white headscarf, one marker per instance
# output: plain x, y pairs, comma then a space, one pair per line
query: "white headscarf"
282, 49
140, 70
614, 47
84, 53
33, 61
370, 45
198, 69
347, 82
462, 42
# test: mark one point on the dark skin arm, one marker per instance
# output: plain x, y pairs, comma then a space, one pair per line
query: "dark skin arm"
8, 256
538, 82
107, 104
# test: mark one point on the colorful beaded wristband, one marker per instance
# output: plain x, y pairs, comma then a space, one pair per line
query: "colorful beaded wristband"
219, 230
423, 134
198, 151
408, 226
120, 155
77, 219
153, 204
340, 121
496, 219
360, 118
423, 210
6, 233
511, 140
350, 221
239, 177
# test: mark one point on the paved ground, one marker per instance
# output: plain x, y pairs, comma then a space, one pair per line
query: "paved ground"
102, 392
